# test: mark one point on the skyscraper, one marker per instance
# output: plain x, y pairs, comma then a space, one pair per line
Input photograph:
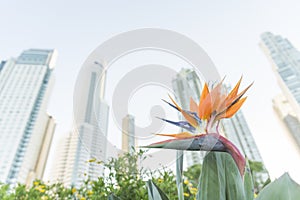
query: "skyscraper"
88, 140
187, 85
285, 60
128, 134
288, 117
66, 149
26, 129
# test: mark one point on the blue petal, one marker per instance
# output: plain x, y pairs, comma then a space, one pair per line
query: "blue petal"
182, 124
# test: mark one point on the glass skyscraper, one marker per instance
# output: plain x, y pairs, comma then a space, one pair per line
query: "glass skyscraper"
285, 60
287, 116
187, 85
26, 129
128, 134
88, 140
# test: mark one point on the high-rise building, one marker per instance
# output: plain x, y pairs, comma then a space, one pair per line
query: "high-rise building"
285, 60
128, 134
88, 140
2, 64
187, 85
65, 156
288, 117
26, 130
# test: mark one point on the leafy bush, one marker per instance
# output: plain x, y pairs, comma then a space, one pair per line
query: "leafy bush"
124, 180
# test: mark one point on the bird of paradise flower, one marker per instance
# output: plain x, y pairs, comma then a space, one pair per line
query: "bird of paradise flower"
202, 123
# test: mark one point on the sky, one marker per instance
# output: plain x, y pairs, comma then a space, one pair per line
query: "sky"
227, 30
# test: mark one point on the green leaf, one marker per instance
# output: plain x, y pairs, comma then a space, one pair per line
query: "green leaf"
179, 172
220, 178
248, 183
283, 188
154, 193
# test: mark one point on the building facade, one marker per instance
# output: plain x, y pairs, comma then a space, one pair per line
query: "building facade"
128, 134
26, 130
88, 140
187, 85
289, 119
285, 62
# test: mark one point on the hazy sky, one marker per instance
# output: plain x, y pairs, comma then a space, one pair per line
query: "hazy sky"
227, 30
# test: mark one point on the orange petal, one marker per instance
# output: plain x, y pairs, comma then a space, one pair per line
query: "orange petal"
222, 103
234, 108
205, 109
193, 106
236, 98
205, 103
216, 95
234, 91
177, 135
190, 119
187, 116
174, 102
205, 92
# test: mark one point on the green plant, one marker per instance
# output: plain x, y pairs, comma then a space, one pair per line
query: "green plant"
222, 175
124, 180
225, 174
193, 173
257, 168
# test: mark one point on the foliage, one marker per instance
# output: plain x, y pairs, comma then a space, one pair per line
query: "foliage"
124, 180
257, 168
193, 173
219, 179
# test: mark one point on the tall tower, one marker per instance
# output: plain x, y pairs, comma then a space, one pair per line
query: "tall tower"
88, 140
285, 60
26, 130
128, 134
187, 84
287, 116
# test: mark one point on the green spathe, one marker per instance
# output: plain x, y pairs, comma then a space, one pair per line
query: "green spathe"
221, 180
248, 183
283, 188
